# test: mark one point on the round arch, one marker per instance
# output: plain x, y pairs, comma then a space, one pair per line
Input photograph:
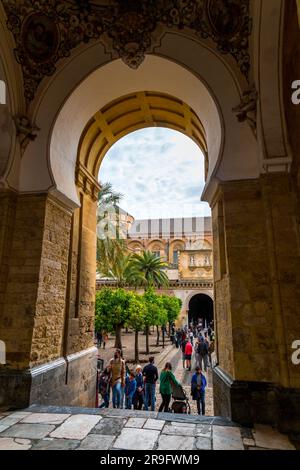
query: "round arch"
200, 308
57, 114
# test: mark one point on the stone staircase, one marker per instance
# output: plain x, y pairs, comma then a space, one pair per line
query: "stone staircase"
53, 428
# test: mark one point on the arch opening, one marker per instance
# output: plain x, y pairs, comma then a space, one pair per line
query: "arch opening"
201, 309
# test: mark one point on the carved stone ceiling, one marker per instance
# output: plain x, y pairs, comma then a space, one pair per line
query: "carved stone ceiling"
46, 31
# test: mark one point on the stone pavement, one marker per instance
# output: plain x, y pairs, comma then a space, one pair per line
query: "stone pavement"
67, 428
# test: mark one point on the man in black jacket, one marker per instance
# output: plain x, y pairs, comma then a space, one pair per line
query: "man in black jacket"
150, 374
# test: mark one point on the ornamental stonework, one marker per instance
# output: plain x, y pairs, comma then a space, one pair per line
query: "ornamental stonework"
46, 31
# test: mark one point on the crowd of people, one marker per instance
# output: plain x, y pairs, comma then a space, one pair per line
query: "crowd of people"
137, 388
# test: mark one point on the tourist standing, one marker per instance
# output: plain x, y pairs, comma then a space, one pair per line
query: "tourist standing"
198, 386
188, 354
211, 349
179, 337
197, 355
166, 378
99, 339
183, 345
105, 339
130, 389
140, 389
117, 365
150, 374
104, 386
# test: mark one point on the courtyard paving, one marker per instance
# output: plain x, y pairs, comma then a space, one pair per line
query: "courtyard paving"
70, 428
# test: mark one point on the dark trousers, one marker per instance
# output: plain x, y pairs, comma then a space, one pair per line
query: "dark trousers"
165, 403
201, 404
138, 401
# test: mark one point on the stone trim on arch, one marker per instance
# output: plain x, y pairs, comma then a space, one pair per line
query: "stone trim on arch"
209, 293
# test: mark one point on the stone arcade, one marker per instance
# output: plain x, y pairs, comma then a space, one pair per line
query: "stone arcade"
80, 77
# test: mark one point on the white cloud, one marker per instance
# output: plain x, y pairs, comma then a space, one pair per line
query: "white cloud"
159, 171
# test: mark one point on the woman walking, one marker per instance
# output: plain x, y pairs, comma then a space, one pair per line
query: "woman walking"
166, 377
188, 354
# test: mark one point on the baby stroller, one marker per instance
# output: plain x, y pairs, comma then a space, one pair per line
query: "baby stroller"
180, 400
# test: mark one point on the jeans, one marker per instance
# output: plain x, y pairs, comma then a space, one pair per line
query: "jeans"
128, 401
150, 394
165, 403
117, 392
205, 361
105, 403
201, 403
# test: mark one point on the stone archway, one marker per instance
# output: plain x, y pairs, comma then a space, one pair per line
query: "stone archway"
201, 308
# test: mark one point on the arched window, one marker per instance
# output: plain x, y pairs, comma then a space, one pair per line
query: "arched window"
2, 92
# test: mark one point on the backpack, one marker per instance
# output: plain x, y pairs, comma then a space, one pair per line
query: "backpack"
202, 348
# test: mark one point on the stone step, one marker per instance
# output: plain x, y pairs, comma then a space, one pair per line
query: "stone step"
107, 412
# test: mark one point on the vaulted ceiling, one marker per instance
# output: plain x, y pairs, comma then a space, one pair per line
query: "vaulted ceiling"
132, 112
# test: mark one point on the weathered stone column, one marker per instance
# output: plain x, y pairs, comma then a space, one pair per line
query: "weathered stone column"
35, 281
257, 273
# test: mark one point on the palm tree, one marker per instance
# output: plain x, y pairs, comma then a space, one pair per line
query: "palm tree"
107, 196
153, 273
152, 269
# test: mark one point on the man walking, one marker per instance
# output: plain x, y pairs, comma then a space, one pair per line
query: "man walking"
150, 374
202, 350
117, 365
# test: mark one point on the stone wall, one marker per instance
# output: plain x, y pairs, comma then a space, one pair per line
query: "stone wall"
49, 316
34, 286
256, 297
24, 247
81, 296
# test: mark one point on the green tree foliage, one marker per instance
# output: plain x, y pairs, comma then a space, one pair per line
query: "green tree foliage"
112, 311
151, 268
172, 306
156, 313
137, 315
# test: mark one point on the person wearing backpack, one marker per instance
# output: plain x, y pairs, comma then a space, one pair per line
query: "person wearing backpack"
203, 354
166, 377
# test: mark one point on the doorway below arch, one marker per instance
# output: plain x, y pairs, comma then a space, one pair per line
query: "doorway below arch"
201, 307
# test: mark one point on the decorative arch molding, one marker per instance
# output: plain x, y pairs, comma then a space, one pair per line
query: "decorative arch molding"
176, 243
191, 294
135, 245
10, 74
156, 243
268, 75
61, 125
128, 29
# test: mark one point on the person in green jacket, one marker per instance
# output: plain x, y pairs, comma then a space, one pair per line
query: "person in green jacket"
166, 377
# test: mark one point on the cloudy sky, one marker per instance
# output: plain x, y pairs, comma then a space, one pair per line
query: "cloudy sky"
159, 171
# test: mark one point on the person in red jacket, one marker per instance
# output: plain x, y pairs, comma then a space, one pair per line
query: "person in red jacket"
188, 354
